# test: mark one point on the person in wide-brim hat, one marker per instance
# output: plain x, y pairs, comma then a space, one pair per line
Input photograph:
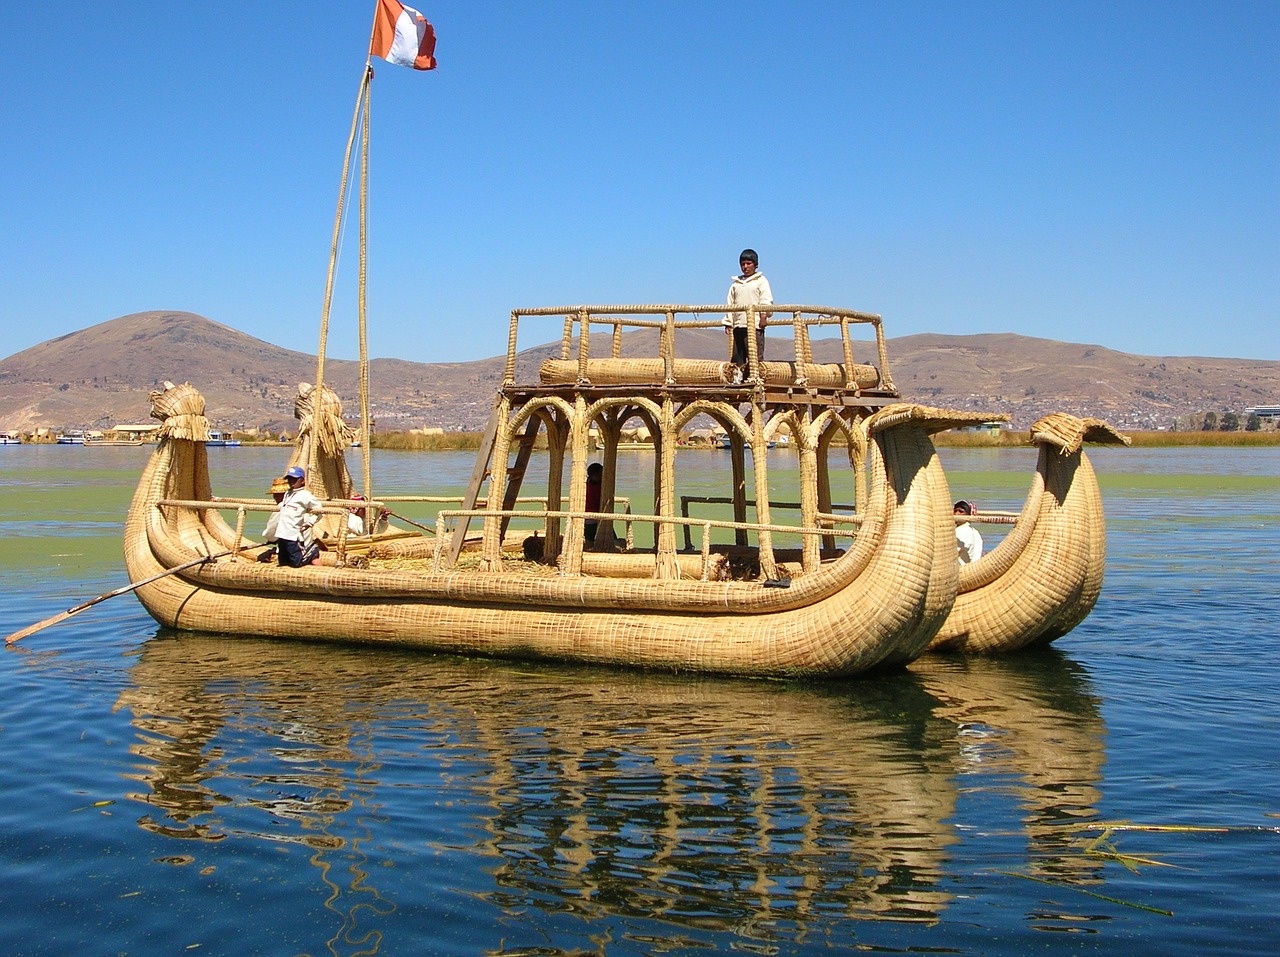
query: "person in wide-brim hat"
279, 488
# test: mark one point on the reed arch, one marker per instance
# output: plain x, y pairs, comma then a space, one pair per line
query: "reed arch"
610, 415
553, 414
737, 428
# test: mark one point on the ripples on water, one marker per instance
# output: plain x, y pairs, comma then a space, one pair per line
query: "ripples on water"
190, 793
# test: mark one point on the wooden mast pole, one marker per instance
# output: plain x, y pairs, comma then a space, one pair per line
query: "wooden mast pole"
366, 440
337, 228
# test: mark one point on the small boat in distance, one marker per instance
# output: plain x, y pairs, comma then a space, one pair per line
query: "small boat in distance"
71, 437
11, 437
220, 439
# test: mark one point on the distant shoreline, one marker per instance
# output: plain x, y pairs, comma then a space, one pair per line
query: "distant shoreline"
1002, 439
1143, 439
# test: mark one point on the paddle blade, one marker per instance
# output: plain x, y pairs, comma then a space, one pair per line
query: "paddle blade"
39, 626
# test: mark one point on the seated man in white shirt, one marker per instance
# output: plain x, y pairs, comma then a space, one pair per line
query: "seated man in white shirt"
968, 541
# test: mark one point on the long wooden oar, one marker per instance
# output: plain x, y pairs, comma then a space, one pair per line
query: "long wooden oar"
63, 616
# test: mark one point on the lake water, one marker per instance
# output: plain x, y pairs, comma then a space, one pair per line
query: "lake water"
1119, 793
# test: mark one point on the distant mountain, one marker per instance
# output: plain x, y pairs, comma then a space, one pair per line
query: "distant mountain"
100, 376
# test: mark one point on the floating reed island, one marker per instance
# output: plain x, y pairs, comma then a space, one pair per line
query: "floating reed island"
861, 572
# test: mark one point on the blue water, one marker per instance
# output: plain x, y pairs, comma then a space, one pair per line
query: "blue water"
193, 794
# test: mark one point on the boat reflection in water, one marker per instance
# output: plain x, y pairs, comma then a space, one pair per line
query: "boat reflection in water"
1030, 727
708, 804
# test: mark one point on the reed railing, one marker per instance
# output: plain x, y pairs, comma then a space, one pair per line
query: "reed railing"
579, 322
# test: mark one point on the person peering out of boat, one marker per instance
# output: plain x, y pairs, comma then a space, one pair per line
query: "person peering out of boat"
750, 288
595, 474
968, 541
299, 511
279, 487
358, 519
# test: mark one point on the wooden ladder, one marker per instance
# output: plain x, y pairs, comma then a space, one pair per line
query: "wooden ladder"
515, 477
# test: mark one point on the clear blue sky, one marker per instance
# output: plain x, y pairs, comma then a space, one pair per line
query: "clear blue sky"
1095, 172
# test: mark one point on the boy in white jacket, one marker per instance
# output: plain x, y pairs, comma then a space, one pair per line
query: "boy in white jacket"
750, 288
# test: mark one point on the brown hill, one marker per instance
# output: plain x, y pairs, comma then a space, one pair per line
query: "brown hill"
100, 376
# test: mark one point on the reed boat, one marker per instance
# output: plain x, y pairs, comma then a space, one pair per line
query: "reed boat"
828, 591
1044, 578
739, 606
859, 572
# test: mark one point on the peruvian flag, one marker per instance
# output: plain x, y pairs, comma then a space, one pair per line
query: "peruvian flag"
401, 35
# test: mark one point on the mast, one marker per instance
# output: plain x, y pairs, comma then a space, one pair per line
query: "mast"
400, 35
359, 123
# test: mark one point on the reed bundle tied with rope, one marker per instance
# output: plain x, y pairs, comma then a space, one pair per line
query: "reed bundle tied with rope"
181, 409
1069, 433
326, 428
706, 372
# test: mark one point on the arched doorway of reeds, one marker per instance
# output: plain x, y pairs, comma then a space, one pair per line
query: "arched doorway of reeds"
839, 445
716, 483
631, 439
546, 421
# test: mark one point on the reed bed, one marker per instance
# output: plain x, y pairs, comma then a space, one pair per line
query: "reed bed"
1206, 439
418, 442
466, 561
1013, 439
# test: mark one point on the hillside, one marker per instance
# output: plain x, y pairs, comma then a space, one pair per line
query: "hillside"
99, 376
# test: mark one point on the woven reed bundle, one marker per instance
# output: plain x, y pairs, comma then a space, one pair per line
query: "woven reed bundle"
1044, 578
817, 375
927, 417
704, 372
643, 565
633, 372
321, 449
880, 602
320, 418
1069, 433
181, 409
404, 548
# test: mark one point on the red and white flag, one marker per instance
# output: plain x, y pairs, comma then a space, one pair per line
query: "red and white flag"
401, 35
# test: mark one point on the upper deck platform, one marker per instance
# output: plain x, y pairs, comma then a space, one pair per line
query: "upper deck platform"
620, 350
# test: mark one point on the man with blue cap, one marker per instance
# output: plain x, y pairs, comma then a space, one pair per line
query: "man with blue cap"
299, 510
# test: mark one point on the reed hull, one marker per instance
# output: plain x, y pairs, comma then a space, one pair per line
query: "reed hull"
1045, 577
881, 603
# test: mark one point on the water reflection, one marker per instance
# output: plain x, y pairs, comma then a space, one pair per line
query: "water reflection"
1032, 719
762, 809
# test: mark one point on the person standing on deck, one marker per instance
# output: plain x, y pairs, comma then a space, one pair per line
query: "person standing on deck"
299, 510
968, 541
750, 288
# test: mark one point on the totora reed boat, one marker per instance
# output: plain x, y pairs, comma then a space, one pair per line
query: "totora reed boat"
833, 591
859, 571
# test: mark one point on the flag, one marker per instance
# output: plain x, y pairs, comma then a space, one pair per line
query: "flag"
401, 35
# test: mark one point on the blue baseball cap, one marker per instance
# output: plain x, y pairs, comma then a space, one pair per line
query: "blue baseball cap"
294, 472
